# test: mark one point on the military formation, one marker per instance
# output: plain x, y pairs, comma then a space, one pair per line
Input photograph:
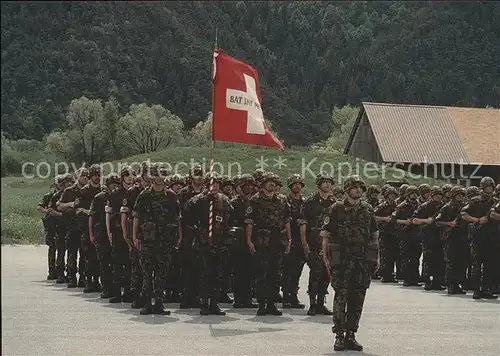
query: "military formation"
149, 238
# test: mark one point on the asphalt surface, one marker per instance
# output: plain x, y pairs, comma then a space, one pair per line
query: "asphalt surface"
42, 318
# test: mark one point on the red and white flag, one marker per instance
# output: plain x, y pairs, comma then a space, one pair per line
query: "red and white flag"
237, 105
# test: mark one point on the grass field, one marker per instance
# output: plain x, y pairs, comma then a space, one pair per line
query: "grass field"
21, 222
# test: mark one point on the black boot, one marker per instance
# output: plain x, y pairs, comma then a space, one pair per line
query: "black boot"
105, 294
160, 309
137, 303
127, 296
321, 308
82, 282
287, 302
61, 279
262, 308
339, 344
279, 298
486, 294
72, 282
296, 304
272, 310
205, 307
224, 298
351, 343
214, 308
452, 289
51, 276
117, 297
148, 309
312, 305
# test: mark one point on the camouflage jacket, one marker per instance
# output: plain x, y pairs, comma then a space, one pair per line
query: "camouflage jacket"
296, 205
314, 211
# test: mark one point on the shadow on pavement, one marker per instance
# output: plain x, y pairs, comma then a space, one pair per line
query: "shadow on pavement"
461, 296
335, 353
214, 332
241, 311
154, 319
270, 319
494, 301
321, 319
211, 319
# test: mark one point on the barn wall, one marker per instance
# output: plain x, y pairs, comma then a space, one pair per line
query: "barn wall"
364, 144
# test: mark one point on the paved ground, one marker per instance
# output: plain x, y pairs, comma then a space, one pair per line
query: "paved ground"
42, 318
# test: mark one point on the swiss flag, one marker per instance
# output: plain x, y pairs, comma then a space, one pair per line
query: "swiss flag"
237, 109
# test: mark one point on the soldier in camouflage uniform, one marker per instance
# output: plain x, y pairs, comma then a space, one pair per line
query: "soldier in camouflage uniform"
350, 248
432, 247
227, 188
313, 213
410, 247
177, 183
174, 285
338, 192
470, 192
83, 209
157, 215
189, 259
49, 224
67, 205
446, 188
454, 239
475, 213
127, 219
98, 235
373, 198
257, 175
49, 230
243, 262
60, 227
295, 260
424, 192
389, 239
494, 218
402, 193
211, 249
120, 248
237, 186
268, 235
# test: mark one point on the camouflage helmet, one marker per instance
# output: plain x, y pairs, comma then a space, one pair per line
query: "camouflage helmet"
486, 182
324, 177
82, 172
176, 179
472, 191
497, 189
217, 178
424, 189
196, 171
58, 179
247, 179
257, 174
67, 177
402, 189
337, 189
446, 188
144, 169
237, 180
456, 190
95, 170
435, 190
410, 190
295, 178
390, 190
125, 172
353, 181
227, 180
384, 188
267, 176
277, 179
373, 189
113, 178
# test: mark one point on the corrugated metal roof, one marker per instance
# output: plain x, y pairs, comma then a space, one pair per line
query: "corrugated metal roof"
479, 132
415, 133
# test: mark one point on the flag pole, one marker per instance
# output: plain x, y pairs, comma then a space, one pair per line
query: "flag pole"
212, 151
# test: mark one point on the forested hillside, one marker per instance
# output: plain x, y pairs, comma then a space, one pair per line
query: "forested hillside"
312, 56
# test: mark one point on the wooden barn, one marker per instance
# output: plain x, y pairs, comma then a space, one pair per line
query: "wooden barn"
459, 145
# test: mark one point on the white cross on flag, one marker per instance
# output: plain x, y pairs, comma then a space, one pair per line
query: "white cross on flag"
237, 103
